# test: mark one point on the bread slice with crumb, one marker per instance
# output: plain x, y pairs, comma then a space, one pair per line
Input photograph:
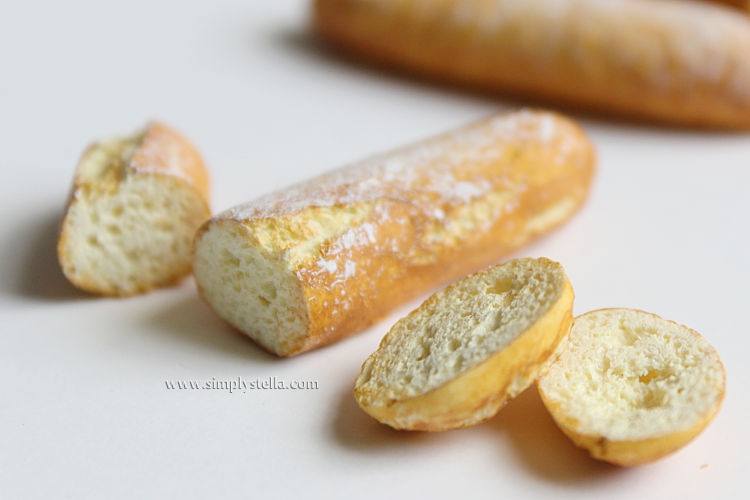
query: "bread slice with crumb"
136, 204
631, 387
456, 359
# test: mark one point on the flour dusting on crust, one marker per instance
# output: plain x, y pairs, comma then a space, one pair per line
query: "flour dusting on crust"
439, 171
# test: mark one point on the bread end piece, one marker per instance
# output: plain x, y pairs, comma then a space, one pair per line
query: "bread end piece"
459, 357
135, 206
631, 387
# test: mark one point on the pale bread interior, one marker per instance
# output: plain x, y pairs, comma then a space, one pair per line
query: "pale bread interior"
250, 287
627, 375
458, 329
126, 231
247, 271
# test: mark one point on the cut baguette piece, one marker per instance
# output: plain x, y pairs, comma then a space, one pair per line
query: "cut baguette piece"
631, 387
308, 265
460, 356
136, 204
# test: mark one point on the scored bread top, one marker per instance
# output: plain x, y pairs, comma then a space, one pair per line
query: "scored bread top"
445, 170
445, 187
163, 151
627, 375
485, 336
156, 149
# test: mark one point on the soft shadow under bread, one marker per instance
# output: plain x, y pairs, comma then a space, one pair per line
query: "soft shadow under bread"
357, 431
39, 275
530, 432
190, 320
307, 43
543, 448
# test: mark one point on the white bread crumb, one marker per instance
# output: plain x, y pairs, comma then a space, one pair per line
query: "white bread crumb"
518, 311
135, 207
625, 377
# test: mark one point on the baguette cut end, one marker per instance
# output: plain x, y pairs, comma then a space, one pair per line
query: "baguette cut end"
252, 289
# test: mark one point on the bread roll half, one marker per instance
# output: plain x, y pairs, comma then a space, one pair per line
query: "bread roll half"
456, 359
308, 265
136, 204
631, 387
676, 62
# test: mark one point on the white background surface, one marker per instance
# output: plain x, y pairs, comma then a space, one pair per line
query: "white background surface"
84, 409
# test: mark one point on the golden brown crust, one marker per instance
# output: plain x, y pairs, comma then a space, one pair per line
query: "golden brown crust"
632, 453
675, 62
165, 151
157, 151
419, 220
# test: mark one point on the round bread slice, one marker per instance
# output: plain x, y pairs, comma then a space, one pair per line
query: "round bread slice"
631, 387
460, 356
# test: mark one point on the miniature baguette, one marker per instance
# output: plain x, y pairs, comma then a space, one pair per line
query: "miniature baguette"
135, 206
460, 356
676, 62
309, 265
631, 387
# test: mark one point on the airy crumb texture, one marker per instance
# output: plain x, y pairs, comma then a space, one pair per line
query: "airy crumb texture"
249, 286
456, 359
135, 207
632, 387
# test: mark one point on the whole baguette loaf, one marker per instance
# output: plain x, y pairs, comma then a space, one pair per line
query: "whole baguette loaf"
306, 266
631, 387
460, 356
677, 62
133, 212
